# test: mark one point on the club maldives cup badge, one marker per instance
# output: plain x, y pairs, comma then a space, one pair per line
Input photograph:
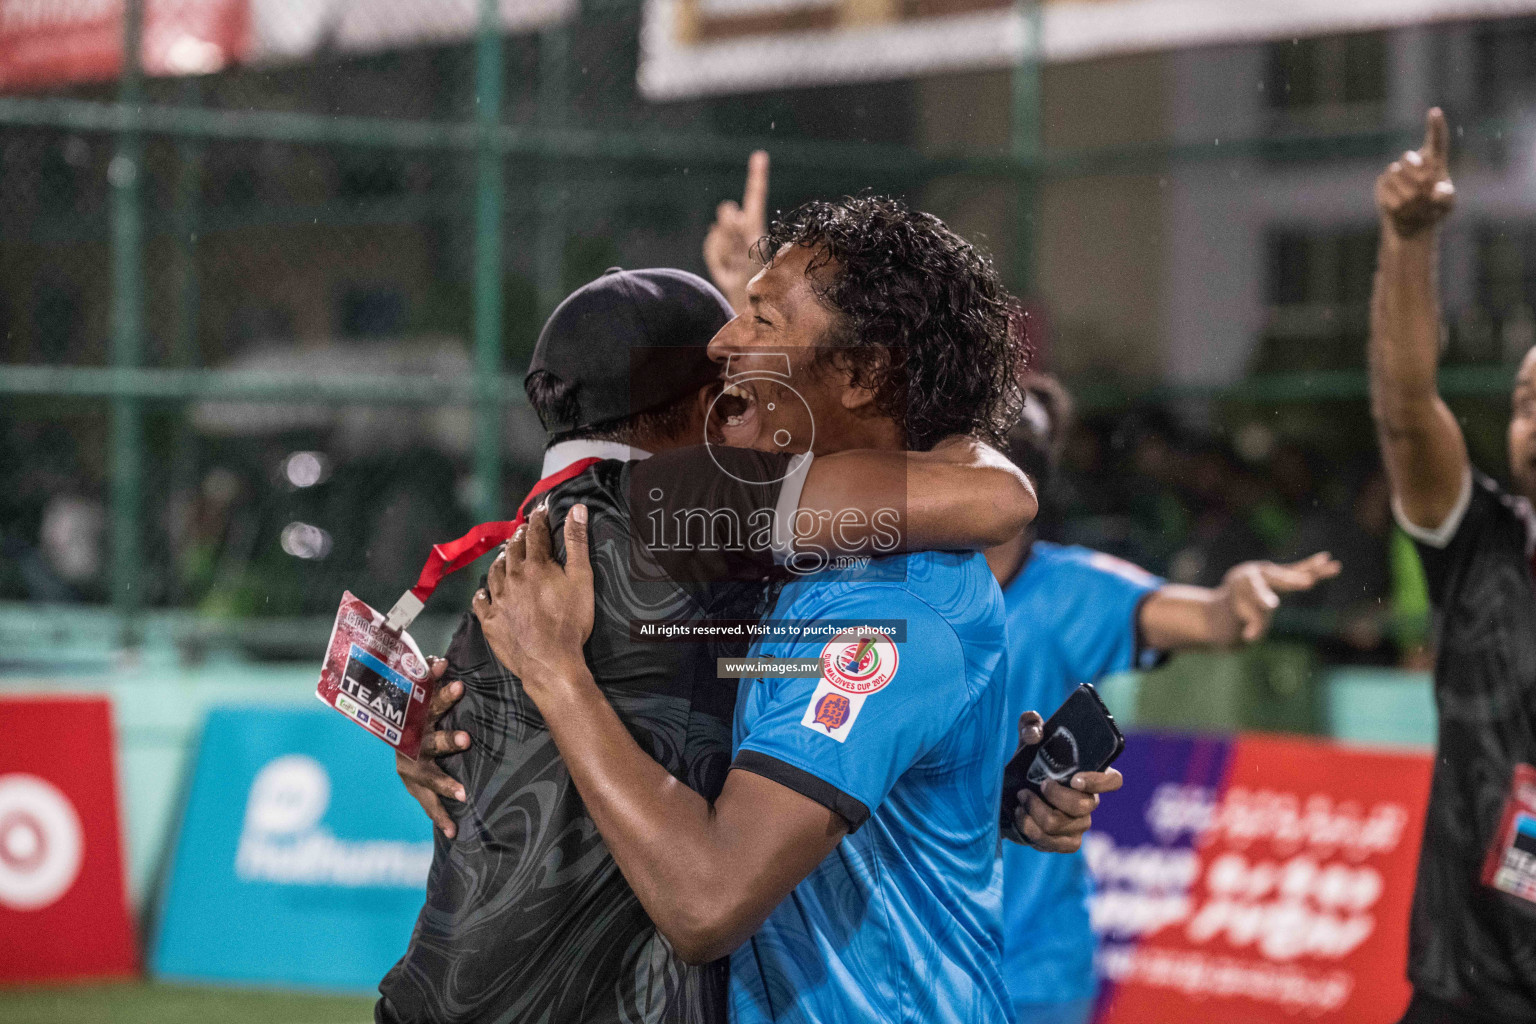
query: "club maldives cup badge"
856, 663
373, 671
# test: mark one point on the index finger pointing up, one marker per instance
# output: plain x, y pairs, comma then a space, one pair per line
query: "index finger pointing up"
754, 200
1436, 135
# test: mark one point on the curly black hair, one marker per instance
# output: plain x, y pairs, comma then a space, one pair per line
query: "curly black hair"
923, 319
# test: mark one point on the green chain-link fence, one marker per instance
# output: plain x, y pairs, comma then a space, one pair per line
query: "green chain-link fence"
265, 327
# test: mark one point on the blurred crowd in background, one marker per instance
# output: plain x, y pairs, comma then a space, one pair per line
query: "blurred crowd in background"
279, 527
1189, 504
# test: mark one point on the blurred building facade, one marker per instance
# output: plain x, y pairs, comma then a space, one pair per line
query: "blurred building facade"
1202, 219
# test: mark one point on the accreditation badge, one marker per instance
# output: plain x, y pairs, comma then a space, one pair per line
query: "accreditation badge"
1511, 863
373, 671
376, 676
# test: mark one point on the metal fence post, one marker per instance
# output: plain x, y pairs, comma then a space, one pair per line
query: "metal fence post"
488, 279
1027, 147
554, 103
127, 468
186, 281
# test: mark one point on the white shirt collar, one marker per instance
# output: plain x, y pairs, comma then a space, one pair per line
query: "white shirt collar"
558, 456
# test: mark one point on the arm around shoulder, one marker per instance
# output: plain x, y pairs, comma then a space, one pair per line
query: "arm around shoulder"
962, 495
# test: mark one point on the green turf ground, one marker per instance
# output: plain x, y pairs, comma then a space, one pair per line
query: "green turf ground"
152, 1003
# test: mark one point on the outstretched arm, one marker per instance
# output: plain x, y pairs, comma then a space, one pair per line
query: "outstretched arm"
1425, 453
1176, 617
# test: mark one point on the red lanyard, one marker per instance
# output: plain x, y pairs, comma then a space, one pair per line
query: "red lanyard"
456, 554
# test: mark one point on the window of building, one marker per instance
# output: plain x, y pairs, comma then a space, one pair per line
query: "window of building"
1318, 290
1505, 61
1499, 325
1328, 84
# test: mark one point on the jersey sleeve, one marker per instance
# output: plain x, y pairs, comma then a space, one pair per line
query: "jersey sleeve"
708, 514
843, 748
1454, 541
1105, 636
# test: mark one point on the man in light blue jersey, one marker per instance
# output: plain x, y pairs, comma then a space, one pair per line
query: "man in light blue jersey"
849, 864
1075, 616
904, 739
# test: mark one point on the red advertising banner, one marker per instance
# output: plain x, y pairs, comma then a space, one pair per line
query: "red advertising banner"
48, 42
1293, 901
63, 904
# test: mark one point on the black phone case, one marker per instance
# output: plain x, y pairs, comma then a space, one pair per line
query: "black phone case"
1080, 737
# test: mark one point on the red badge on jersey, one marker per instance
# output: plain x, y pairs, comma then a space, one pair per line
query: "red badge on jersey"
855, 664
859, 661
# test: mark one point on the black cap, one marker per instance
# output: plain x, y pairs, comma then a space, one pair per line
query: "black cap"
630, 341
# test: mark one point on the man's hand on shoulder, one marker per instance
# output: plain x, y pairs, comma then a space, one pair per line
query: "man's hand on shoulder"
424, 778
537, 614
708, 875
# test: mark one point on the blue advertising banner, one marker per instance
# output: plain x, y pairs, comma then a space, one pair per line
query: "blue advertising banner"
301, 859
1142, 851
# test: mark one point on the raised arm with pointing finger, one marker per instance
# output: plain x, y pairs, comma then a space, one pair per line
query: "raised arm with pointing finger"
728, 246
1472, 934
1425, 453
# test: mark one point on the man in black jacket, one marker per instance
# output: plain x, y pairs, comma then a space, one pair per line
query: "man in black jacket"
1472, 946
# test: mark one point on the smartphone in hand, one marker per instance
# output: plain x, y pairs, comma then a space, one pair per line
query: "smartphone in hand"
1080, 737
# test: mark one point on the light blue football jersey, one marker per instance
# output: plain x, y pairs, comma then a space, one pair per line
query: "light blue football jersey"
903, 921
1071, 620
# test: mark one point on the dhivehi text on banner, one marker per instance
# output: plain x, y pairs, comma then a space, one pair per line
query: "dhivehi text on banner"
1264, 879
